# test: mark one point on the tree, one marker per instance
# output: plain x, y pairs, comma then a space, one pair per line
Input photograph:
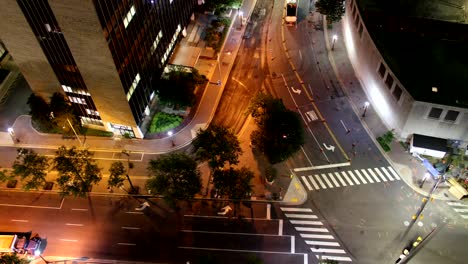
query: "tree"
280, 133
175, 176
221, 5
40, 112
12, 258
178, 87
31, 167
77, 171
118, 174
64, 113
333, 9
217, 145
233, 183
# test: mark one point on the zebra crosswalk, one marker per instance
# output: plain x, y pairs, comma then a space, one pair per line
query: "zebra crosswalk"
349, 178
460, 208
323, 244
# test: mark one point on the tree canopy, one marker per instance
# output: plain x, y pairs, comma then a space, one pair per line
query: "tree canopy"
12, 258
40, 112
175, 176
221, 5
31, 167
117, 172
77, 171
233, 183
333, 9
217, 145
177, 88
64, 113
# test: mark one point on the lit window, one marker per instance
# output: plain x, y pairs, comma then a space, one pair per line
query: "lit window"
129, 16
92, 112
147, 111
435, 90
169, 48
156, 42
170, 1
77, 100
67, 88
133, 86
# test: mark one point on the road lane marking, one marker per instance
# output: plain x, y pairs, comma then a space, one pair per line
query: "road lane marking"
35, 206
131, 228
380, 174
68, 224
317, 236
304, 179
340, 179
335, 258
230, 233
311, 229
320, 167
126, 244
347, 178
79, 209
224, 217
19, 220
306, 258
354, 177
367, 176
320, 181
386, 173
305, 222
293, 244
334, 180
68, 240
394, 173
373, 175
360, 176
345, 128
242, 250
295, 209
268, 212
457, 204
313, 182
301, 216
327, 181
460, 210
322, 243
134, 212
280, 227
328, 250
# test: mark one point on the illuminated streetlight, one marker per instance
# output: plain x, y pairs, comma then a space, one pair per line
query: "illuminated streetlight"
241, 17
12, 134
366, 105
426, 175
170, 133
334, 39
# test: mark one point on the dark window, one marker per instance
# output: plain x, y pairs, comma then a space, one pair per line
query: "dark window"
451, 115
397, 92
382, 70
389, 81
435, 113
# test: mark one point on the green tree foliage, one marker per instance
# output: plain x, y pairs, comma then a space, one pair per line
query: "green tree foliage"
64, 113
40, 112
77, 171
117, 172
12, 258
31, 167
175, 176
177, 88
233, 183
221, 5
333, 9
280, 133
217, 145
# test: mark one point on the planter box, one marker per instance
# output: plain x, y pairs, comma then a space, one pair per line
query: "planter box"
12, 183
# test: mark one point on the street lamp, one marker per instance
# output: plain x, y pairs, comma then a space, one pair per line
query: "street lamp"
366, 105
219, 69
426, 175
12, 134
170, 133
241, 16
334, 39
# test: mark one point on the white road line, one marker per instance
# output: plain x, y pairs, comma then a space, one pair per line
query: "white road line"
311, 229
320, 181
19, 220
328, 250
347, 178
305, 222
295, 209
68, 240
373, 175
306, 258
394, 173
345, 128
225, 217
369, 178
330, 185
354, 177
126, 244
360, 176
321, 167
305, 216
317, 236
464, 216
268, 212
313, 182
79, 209
457, 204
293, 244
380, 174
242, 250
460, 210
340, 179
304, 179
386, 173
134, 212
230, 233
322, 243
333, 179
336, 258
68, 224
280, 227
131, 228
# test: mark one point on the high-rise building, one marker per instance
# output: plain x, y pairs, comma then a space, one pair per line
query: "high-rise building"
105, 55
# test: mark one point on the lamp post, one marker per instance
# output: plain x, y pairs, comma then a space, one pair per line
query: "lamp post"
334, 39
79, 140
426, 175
241, 17
12, 134
366, 105
170, 133
219, 69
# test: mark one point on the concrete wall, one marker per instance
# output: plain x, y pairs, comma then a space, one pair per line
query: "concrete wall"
25, 50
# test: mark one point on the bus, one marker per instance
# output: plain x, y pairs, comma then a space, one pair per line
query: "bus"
291, 12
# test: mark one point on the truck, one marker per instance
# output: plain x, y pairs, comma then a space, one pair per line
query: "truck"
21, 243
291, 12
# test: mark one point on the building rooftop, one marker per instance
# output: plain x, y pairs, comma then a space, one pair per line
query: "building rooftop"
424, 42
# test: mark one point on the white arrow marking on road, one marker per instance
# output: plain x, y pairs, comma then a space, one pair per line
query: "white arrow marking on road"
225, 210
331, 147
143, 206
298, 91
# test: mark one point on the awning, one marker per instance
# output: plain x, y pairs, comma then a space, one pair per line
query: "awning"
430, 168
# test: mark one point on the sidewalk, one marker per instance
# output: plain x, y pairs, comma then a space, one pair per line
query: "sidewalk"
408, 167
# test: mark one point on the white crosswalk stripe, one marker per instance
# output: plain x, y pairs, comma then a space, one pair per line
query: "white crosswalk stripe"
350, 177
315, 233
460, 208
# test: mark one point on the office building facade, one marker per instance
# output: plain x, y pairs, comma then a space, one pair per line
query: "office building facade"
105, 55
